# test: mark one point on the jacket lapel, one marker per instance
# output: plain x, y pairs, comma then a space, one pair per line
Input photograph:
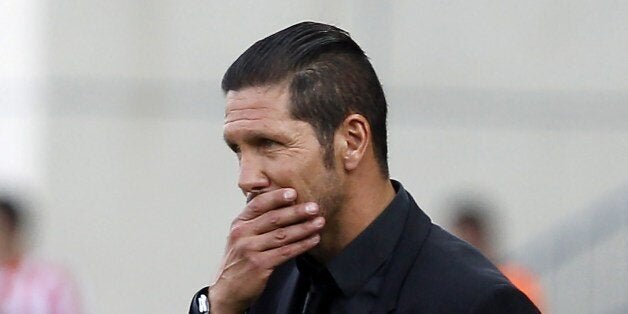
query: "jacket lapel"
287, 292
416, 230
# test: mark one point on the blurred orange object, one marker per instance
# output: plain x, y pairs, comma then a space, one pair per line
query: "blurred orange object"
526, 281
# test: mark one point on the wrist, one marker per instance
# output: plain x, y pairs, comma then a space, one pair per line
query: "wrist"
220, 304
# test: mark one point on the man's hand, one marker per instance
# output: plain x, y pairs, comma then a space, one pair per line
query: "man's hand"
270, 230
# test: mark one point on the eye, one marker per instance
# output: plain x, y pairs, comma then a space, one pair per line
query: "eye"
266, 143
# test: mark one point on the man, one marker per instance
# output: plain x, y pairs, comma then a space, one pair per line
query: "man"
325, 230
26, 285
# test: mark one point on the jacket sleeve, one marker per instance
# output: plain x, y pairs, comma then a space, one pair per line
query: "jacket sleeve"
504, 299
195, 305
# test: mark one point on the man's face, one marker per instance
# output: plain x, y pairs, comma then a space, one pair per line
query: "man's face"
277, 151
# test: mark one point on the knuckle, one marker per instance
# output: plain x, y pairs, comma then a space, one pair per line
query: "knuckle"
251, 246
285, 251
299, 210
280, 235
232, 238
289, 251
240, 248
256, 261
253, 207
305, 245
237, 231
247, 247
274, 220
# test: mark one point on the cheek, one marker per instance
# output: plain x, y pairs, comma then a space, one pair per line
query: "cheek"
300, 176
283, 173
292, 167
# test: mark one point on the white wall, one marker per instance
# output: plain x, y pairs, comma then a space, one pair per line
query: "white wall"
21, 84
523, 101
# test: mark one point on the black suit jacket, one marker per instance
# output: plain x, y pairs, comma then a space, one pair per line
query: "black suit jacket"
431, 271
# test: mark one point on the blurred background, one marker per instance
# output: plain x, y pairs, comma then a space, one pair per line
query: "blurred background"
111, 118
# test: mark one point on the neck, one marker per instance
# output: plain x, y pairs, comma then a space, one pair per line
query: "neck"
365, 200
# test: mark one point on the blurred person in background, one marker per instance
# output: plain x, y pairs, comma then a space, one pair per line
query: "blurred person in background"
27, 285
472, 222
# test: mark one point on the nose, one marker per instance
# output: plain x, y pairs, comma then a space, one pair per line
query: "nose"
252, 177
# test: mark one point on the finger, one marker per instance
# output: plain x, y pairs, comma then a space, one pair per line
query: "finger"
285, 236
277, 256
283, 217
267, 201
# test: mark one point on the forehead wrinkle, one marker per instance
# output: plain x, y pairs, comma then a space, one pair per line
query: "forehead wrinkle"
246, 104
259, 97
249, 128
247, 114
252, 110
256, 110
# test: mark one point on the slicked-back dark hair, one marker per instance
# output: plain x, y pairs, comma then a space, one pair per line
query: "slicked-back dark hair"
329, 78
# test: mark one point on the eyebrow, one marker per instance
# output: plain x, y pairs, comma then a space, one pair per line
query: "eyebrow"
233, 146
254, 136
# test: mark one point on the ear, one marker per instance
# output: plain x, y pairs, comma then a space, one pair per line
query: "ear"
356, 138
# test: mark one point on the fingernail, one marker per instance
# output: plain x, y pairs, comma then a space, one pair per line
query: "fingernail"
311, 208
316, 239
319, 221
289, 194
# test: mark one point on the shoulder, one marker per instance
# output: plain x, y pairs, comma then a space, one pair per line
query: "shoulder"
450, 275
503, 299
